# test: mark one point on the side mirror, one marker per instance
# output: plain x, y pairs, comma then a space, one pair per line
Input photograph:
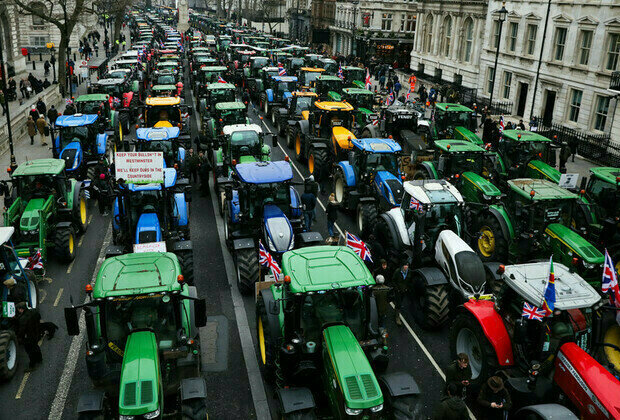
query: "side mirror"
71, 320
584, 183
442, 163
200, 313
351, 158
274, 140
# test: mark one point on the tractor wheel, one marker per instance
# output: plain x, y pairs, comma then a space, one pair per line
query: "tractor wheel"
8, 355
281, 129
290, 137
298, 145
491, 244
33, 288
266, 108
387, 236
301, 415
404, 407
611, 342
118, 134
466, 336
65, 244
340, 188
317, 163
430, 305
247, 270
194, 409
267, 345
420, 174
262, 100
124, 120
366, 218
186, 261
274, 121
80, 212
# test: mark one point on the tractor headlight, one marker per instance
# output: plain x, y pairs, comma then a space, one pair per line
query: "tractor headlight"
391, 198
588, 265
121, 417
152, 414
376, 408
352, 411
272, 247
292, 245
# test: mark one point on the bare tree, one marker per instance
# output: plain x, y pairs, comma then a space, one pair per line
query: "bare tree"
116, 9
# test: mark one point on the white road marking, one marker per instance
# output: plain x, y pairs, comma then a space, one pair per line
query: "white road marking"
22, 386
60, 399
90, 218
58, 297
81, 240
42, 295
70, 267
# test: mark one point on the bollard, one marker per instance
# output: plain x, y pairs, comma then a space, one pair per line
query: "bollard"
34, 67
40, 56
74, 57
29, 59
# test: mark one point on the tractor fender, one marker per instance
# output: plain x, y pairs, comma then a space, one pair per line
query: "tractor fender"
493, 327
181, 154
245, 243
127, 97
504, 220
399, 384
490, 268
181, 246
424, 124
432, 276
135, 86
348, 172
180, 210
296, 206
295, 399
62, 225
375, 131
318, 145
91, 401
282, 112
74, 196
115, 224
269, 93
286, 96
304, 126
430, 169
193, 388
547, 412
396, 223
192, 293
102, 141
235, 209
57, 146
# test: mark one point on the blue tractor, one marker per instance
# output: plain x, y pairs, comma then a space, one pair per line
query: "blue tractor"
261, 203
154, 217
370, 181
82, 143
166, 140
278, 90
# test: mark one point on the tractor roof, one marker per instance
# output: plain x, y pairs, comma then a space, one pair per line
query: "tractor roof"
458, 146
521, 135
160, 133
213, 68
284, 78
109, 82
607, 174
433, 191
131, 274
530, 281
543, 189
161, 88
312, 69
227, 106
220, 86
328, 78
229, 129
357, 91
267, 69
163, 101
333, 106
351, 68
377, 145
447, 107
76, 120
319, 268
305, 93
5, 234
168, 64
40, 167
264, 172
93, 97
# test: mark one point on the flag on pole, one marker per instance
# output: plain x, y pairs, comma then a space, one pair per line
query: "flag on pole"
548, 303
390, 98
220, 80
415, 205
35, 262
501, 123
408, 96
368, 83
609, 285
340, 72
266, 260
360, 248
281, 70
532, 312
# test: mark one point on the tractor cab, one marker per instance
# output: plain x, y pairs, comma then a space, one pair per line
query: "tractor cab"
11, 266
164, 91
603, 195
244, 143
399, 122
293, 64
222, 114
332, 120
454, 121
95, 103
328, 87
307, 76
81, 141
312, 59
210, 74
302, 101
163, 139
165, 112
119, 73
455, 157
525, 154
364, 103
215, 93
354, 77
256, 63
167, 77
330, 65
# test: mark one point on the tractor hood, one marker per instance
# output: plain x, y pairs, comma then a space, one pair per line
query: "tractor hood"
139, 375
545, 171
580, 246
462, 133
148, 229
72, 155
30, 216
352, 370
342, 136
389, 186
278, 229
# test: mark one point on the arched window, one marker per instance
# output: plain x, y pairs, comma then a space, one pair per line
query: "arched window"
36, 20
468, 35
447, 39
429, 34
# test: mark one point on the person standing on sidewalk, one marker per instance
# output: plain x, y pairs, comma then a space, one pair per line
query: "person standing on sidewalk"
41, 107
42, 126
46, 67
31, 125
52, 115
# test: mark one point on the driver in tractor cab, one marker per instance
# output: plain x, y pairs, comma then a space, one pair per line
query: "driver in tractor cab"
163, 115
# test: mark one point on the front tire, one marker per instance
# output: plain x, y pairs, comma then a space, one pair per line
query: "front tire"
366, 217
317, 163
430, 305
247, 270
298, 145
65, 244
491, 244
186, 261
8, 355
81, 213
194, 409
340, 188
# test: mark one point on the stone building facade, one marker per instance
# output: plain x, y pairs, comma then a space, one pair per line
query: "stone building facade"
298, 16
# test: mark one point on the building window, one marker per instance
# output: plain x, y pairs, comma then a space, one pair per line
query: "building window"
429, 34
38, 41
386, 22
507, 83
613, 50
490, 76
402, 22
600, 114
530, 43
585, 45
559, 44
36, 20
512, 37
410, 27
469, 39
574, 105
447, 39
495, 34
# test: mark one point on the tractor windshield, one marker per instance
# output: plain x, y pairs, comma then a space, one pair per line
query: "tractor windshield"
232, 116
382, 162
164, 146
310, 76
526, 150
167, 79
606, 195
325, 86
353, 75
223, 95
259, 63
296, 63
156, 114
464, 162
286, 87
362, 101
90, 107
340, 306
117, 74
70, 134
112, 90
304, 103
244, 143
39, 186
449, 120
553, 211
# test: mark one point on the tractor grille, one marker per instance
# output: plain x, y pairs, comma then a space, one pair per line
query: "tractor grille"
69, 156
148, 236
130, 394
146, 392
354, 388
369, 386
396, 187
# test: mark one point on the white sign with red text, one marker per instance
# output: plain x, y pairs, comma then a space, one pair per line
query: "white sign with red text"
140, 167
150, 247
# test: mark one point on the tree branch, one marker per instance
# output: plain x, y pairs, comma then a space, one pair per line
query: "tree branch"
43, 15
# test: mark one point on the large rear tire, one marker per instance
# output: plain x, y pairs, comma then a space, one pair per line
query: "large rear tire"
247, 270
267, 344
80, 213
317, 163
290, 137
491, 244
340, 188
405, 407
420, 174
366, 218
124, 121
430, 305
195, 409
186, 261
8, 355
65, 244
298, 144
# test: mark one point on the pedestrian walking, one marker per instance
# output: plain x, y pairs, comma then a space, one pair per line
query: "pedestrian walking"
204, 168
458, 373
42, 127
451, 406
381, 293
397, 87
103, 189
494, 399
314, 188
30, 330
22, 88
46, 67
12, 89
2, 102
52, 115
192, 165
400, 282
332, 216
31, 125
34, 113
41, 107
308, 200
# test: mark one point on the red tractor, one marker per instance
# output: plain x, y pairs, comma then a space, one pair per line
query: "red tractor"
541, 358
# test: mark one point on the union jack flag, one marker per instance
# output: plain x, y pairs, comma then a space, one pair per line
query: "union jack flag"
501, 123
415, 205
266, 260
281, 70
532, 312
180, 46
35, 262
340, 72
390, 98
609, 284
360, 248
220, 80
367, 82
161, 44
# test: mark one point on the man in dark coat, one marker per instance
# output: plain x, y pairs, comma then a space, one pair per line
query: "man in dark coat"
381, 292
52, 115
400, 282
30, 330
451, 406
459, 373
204, 168
494, 399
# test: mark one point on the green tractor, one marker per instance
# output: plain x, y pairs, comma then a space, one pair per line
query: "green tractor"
205, 76
451, 121
143, 351
354, 77
214, 93
364, 103
47, 209
319, 340
328, 88
99, 103
223, 114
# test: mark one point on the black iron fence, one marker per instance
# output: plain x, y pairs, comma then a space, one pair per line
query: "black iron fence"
596, 147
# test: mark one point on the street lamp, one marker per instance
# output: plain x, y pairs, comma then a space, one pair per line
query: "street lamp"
3, 75
502, 18
354, 41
